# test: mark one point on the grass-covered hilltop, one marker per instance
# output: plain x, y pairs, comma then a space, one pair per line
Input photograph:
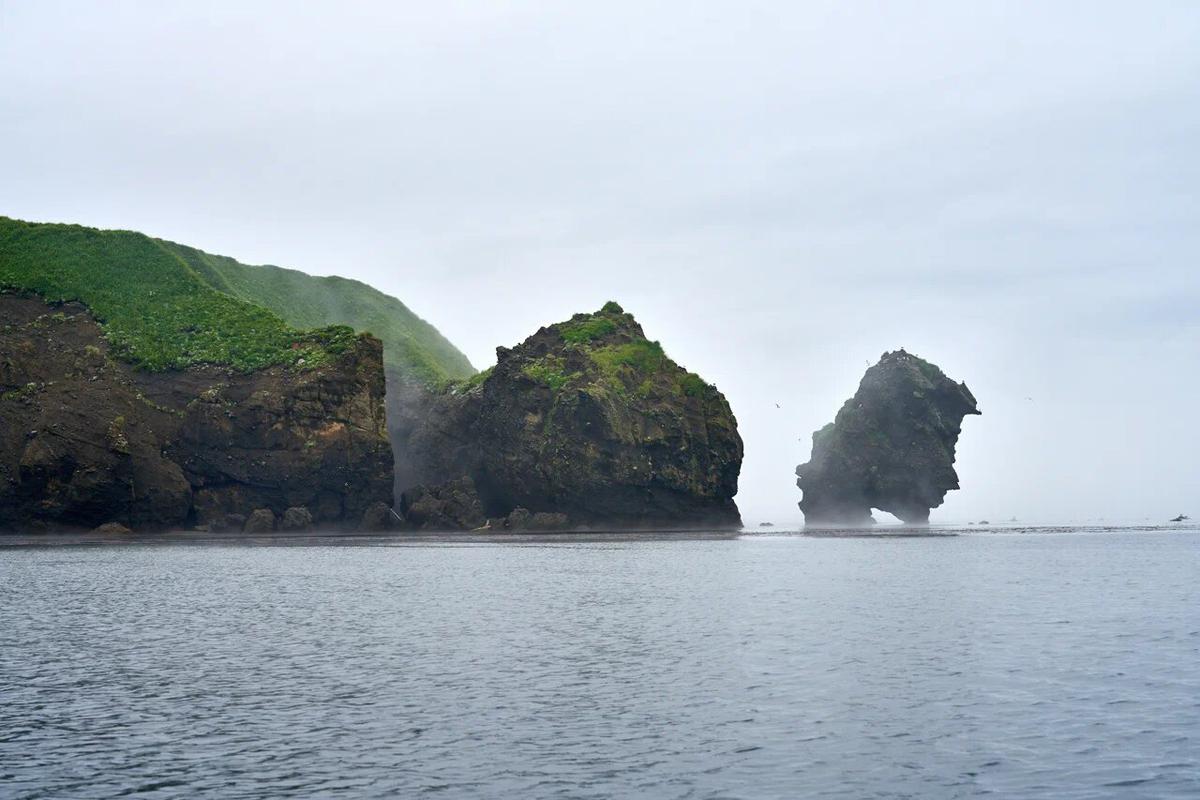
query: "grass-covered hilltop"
411, 345
586, 422
168, 306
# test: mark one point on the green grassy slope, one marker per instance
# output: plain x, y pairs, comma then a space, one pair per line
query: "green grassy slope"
409, 342
164, 305
156, 311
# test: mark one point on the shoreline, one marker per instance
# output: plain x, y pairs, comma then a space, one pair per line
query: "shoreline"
10, 540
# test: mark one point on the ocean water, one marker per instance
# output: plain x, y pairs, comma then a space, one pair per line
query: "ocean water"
1059, 664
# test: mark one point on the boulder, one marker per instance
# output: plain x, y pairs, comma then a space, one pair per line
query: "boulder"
261, 520
112, 529
296, 518
891, 446
454, 505
518, 520
377, 518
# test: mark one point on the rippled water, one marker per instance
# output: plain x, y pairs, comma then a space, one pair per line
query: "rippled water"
1024, 666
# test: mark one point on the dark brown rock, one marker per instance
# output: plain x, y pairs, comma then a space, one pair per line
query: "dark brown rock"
87, 439
519, 519
377, 518
891, 446
296, 518
112, 529
454, 505
261, 520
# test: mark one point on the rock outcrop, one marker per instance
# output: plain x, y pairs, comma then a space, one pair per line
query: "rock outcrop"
585, 423
87, 439
891, 446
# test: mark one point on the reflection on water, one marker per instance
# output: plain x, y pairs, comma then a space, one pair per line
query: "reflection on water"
772, 666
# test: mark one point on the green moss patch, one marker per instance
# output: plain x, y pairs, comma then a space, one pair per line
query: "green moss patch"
587, 330
643, 356
692, 385
548, 371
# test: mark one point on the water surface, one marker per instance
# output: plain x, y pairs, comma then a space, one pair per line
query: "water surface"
1063, 665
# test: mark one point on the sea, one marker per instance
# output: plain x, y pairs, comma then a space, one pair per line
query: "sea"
1008, 663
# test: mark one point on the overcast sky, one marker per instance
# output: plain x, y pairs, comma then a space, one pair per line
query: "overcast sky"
778, 191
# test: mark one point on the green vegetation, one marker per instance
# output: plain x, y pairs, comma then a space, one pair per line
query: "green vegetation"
692, 384
21, 392
621, 366
467, 384
155, 311
410, 344
164, 305
641, 355
587, 330
549, 371
640, 361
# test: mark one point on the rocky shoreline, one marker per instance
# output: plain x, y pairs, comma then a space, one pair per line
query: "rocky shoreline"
148, 386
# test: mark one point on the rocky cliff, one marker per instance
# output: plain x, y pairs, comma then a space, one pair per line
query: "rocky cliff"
88, 438
585, 423
891, 446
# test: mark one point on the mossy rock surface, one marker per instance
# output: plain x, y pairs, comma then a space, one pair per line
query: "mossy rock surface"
589, 418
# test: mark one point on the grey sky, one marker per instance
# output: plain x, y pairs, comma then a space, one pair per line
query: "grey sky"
779, 191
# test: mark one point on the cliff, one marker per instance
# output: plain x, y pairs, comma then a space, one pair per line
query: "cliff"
87, 439
164, 305
132, 391
891, 446
587, 423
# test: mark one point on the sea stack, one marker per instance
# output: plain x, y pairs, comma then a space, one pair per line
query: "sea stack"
891, 446
585, 423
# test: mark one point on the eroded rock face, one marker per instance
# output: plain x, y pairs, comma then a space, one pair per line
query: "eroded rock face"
587, 421
891, 446
86, 439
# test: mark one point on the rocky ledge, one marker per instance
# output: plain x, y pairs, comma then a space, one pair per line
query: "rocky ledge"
87, 440
585, 423
891, 446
